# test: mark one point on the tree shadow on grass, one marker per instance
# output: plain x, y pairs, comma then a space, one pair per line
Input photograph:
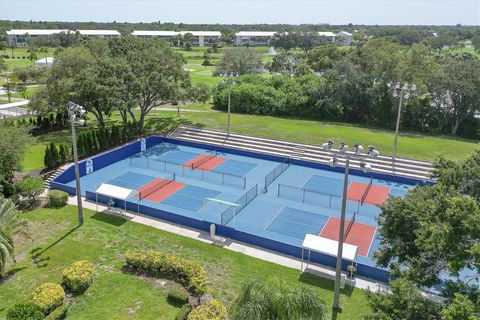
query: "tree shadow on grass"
165, 125
110, 219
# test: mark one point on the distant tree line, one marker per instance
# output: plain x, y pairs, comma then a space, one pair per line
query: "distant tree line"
331, 83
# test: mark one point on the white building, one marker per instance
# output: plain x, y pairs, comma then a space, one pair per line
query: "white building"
329, 35
200, 38
344, 38
21, 37
99, 33
253, 38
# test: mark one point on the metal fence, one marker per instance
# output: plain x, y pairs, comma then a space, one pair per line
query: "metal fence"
208, 176
228, 214
323, 199
275, 173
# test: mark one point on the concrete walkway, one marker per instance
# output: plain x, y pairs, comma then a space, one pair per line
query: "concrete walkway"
253, 251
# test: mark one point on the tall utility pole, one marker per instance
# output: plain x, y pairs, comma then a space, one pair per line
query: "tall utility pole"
74, 112
372, 152
230, 82
403, 92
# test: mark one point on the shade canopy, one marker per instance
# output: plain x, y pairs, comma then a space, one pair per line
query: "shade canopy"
116, 192
329, 247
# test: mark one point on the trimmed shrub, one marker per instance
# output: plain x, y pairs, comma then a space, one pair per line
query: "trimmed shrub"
188, 273
177, 297
213, 310
25, 311
78, 276
57, 198
183, 312
58, 314
48, 297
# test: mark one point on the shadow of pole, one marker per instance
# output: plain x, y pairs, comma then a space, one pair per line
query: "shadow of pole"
39, 253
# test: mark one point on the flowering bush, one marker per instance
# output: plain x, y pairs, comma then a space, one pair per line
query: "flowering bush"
48, 297
78, 276
213, 310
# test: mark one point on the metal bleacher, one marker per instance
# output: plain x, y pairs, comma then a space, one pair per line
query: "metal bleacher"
406, 167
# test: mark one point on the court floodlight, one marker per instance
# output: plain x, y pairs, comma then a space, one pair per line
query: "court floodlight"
327, 145
365, 167
372, 152
358, 149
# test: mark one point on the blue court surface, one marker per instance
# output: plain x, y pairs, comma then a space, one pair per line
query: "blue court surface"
300, 201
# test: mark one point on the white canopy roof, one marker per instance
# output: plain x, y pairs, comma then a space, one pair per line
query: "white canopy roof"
115, 192
329, 247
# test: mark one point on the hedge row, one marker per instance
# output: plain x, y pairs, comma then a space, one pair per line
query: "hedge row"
188, 273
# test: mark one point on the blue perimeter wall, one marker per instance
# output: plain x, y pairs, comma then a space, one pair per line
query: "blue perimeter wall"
112, 156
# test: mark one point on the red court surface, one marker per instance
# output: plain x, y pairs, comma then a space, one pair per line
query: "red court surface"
162, 193
376, 194
360, 235
209, 164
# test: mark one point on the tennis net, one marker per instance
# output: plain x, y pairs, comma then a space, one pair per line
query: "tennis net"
367, 190
155, 187
205, 159
350, 225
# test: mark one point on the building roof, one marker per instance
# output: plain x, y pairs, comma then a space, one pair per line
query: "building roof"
154, 33
327, 34
203, 33
345, 33
174, 33
35, 32
99, 32
255, 33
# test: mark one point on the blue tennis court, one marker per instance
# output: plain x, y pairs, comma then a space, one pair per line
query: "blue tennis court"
300, 200
297, 223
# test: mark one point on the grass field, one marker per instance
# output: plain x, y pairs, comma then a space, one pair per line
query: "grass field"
117, 295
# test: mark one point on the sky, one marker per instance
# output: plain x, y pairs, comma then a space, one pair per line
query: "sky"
382, 12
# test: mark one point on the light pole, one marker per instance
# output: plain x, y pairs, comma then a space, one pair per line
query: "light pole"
230, 82
403, 92
75, 111
372, 152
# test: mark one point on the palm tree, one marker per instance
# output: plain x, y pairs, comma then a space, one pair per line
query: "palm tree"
44, 50
273, 299
10, 225
33, 54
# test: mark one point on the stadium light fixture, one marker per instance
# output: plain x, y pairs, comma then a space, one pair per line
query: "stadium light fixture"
75, 111
404, 92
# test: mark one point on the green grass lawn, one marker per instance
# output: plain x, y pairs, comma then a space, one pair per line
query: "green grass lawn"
117, 295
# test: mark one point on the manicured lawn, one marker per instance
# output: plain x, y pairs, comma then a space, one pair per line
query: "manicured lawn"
117, 295
17, 63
